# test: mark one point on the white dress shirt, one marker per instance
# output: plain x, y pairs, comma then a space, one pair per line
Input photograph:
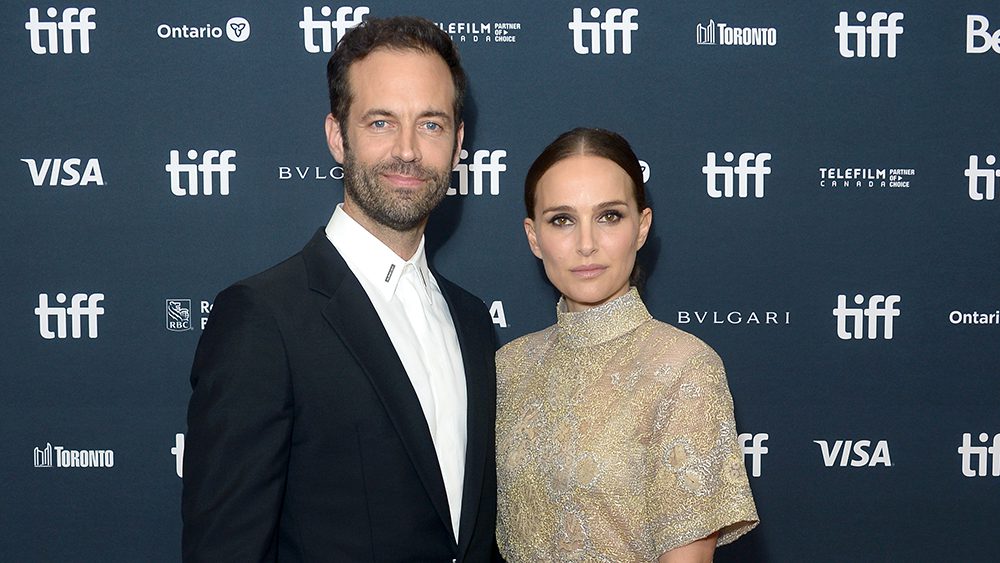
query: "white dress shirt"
415, 315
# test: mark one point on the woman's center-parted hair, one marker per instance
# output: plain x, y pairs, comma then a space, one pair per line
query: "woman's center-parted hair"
588, 142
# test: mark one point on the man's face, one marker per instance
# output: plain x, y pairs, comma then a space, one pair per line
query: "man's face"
401, 139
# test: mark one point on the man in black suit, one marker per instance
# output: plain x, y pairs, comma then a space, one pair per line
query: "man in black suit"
344, 400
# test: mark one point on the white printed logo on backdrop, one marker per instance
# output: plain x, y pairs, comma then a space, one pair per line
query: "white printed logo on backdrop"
861, 40
483, 173
66, 172
718, 33
753, 446
49, 37
482, 32
215, 164
596, 36
236, 29
987, 188
345, 18
58, 456
856, 323
83, 310
182, 316
976, 460
854, 453
750, 164
858, 177
978, 38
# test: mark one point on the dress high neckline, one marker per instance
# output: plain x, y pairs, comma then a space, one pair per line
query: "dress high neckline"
602, 323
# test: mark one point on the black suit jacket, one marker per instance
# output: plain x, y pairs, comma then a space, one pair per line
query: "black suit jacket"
306, 441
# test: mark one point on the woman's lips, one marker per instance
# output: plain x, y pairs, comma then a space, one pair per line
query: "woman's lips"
588, 271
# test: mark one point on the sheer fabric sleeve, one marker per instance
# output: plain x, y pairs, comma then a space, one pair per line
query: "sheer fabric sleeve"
697, 483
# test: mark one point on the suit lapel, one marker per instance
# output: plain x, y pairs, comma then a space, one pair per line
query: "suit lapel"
351, 314
479, 421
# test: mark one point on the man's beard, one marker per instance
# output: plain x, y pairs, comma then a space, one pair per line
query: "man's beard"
399, 210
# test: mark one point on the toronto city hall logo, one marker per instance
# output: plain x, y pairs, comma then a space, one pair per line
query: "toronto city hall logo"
714, 33
58, 456
617, 23
46, 35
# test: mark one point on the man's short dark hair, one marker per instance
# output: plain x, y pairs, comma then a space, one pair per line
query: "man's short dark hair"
400, 33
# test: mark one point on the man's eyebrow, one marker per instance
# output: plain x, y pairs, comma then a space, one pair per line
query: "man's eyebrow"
377, 112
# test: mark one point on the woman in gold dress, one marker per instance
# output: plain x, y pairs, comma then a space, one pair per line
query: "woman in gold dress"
615, 433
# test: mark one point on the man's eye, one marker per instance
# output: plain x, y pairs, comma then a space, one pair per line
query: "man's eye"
431, 126
379, 123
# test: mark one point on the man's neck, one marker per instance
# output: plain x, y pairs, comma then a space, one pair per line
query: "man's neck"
403, 243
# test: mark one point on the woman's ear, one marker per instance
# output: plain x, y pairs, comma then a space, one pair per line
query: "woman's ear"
645, 222
529, 231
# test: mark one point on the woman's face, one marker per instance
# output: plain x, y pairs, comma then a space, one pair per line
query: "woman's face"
586, 229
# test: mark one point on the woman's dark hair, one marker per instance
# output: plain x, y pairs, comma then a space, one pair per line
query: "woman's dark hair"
399, 33
588, 142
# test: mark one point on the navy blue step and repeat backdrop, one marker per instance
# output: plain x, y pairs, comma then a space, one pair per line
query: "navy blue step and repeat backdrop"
824, 179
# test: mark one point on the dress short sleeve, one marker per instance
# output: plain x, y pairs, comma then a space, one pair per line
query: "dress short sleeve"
697, 482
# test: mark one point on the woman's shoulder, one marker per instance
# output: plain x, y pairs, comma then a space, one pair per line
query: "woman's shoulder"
673, 342
526, 345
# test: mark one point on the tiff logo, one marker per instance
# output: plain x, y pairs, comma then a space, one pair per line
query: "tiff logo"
212, 162
73, 20
477, 169
76, 313
979, 27
64, 172
347, 17
743, 170
982, 455
611, 25
756, 449
881, 24
879, 307
989, 176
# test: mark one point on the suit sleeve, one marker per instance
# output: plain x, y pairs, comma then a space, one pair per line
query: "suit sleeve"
238, 436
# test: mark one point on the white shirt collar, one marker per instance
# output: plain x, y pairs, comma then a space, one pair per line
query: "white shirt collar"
369, 257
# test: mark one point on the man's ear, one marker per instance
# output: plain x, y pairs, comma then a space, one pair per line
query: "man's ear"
459, 136
334, 138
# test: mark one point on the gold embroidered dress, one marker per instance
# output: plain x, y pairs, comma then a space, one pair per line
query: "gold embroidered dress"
615, 440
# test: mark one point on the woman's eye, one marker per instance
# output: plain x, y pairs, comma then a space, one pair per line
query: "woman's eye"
610, 217
560, 221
